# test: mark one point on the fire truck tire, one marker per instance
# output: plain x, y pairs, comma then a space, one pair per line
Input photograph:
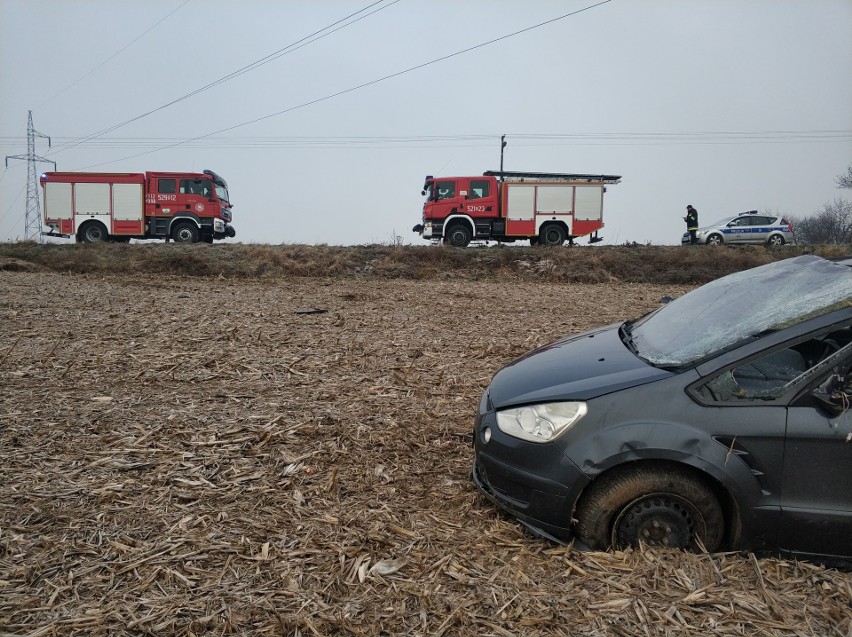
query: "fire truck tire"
185, 232
459, 235
553, 235
92, 232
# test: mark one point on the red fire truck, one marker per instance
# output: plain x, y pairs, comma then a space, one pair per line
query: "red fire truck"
546, 208
183, 207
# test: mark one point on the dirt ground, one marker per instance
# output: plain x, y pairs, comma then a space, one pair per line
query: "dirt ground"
197, 456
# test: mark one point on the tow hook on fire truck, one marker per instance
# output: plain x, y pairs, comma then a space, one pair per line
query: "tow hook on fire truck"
182, 207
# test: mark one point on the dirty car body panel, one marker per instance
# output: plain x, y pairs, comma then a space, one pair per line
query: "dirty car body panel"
721, 387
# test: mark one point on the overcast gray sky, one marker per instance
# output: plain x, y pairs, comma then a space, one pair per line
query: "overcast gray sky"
729, 105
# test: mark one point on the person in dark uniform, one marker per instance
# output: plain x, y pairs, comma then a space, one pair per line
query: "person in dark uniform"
691, 219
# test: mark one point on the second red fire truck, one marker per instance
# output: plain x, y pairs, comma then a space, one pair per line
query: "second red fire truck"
545, 208
183, 207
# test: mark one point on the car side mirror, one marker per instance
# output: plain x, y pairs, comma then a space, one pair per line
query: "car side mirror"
833, 394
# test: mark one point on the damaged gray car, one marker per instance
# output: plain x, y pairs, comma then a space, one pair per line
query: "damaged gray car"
719, 421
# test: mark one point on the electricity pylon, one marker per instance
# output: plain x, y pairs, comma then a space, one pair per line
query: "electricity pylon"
32, 223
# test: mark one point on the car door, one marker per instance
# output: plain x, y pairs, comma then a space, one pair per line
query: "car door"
759, 227
816, 493
737, 230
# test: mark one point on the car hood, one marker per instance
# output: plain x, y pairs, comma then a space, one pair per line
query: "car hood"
709, 228
574, 368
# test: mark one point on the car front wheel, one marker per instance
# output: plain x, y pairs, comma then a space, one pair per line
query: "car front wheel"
715, 239
662, 506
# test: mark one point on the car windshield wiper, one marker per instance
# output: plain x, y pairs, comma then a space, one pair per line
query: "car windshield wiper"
625, 332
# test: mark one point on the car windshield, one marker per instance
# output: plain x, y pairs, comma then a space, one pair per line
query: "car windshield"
721, 222
729, 310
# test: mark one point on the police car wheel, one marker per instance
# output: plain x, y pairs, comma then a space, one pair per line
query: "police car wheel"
776, 240
715, 239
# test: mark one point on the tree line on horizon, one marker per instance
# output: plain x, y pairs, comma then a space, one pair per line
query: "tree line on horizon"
832, 224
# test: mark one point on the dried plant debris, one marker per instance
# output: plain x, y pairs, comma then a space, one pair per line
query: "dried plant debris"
187, 456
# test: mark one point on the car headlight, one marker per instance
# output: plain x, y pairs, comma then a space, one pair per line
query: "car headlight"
540, 423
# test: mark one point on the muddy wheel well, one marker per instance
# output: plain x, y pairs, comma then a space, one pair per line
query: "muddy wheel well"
733, 528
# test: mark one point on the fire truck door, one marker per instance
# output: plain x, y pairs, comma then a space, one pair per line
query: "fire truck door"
195, 194
446, 197
477, 200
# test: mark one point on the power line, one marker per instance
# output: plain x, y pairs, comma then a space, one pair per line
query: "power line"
597, 137
290, 48
83, 77
520, 140
365, 84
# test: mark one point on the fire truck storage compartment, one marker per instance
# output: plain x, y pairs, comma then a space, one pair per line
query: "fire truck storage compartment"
120, 207
556, 200
92, 200
520, 202
58, 202
127, 202
588, 204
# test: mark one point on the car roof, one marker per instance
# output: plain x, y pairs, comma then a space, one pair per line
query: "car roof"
750, 213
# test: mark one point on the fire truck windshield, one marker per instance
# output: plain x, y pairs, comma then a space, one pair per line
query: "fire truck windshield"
222, 193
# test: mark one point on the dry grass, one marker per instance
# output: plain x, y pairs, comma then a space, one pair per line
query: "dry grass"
602, 264
191, 456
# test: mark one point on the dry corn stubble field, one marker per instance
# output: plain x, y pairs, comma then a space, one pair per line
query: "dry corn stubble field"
191, 456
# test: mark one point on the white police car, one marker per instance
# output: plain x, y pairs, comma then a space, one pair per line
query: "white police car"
746, 227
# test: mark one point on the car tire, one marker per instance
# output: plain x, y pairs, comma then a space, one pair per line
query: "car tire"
660, 505
776, 240
715, 239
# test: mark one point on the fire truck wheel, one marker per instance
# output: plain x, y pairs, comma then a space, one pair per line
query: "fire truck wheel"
553, 235
92, 232
459, 236
185, 232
